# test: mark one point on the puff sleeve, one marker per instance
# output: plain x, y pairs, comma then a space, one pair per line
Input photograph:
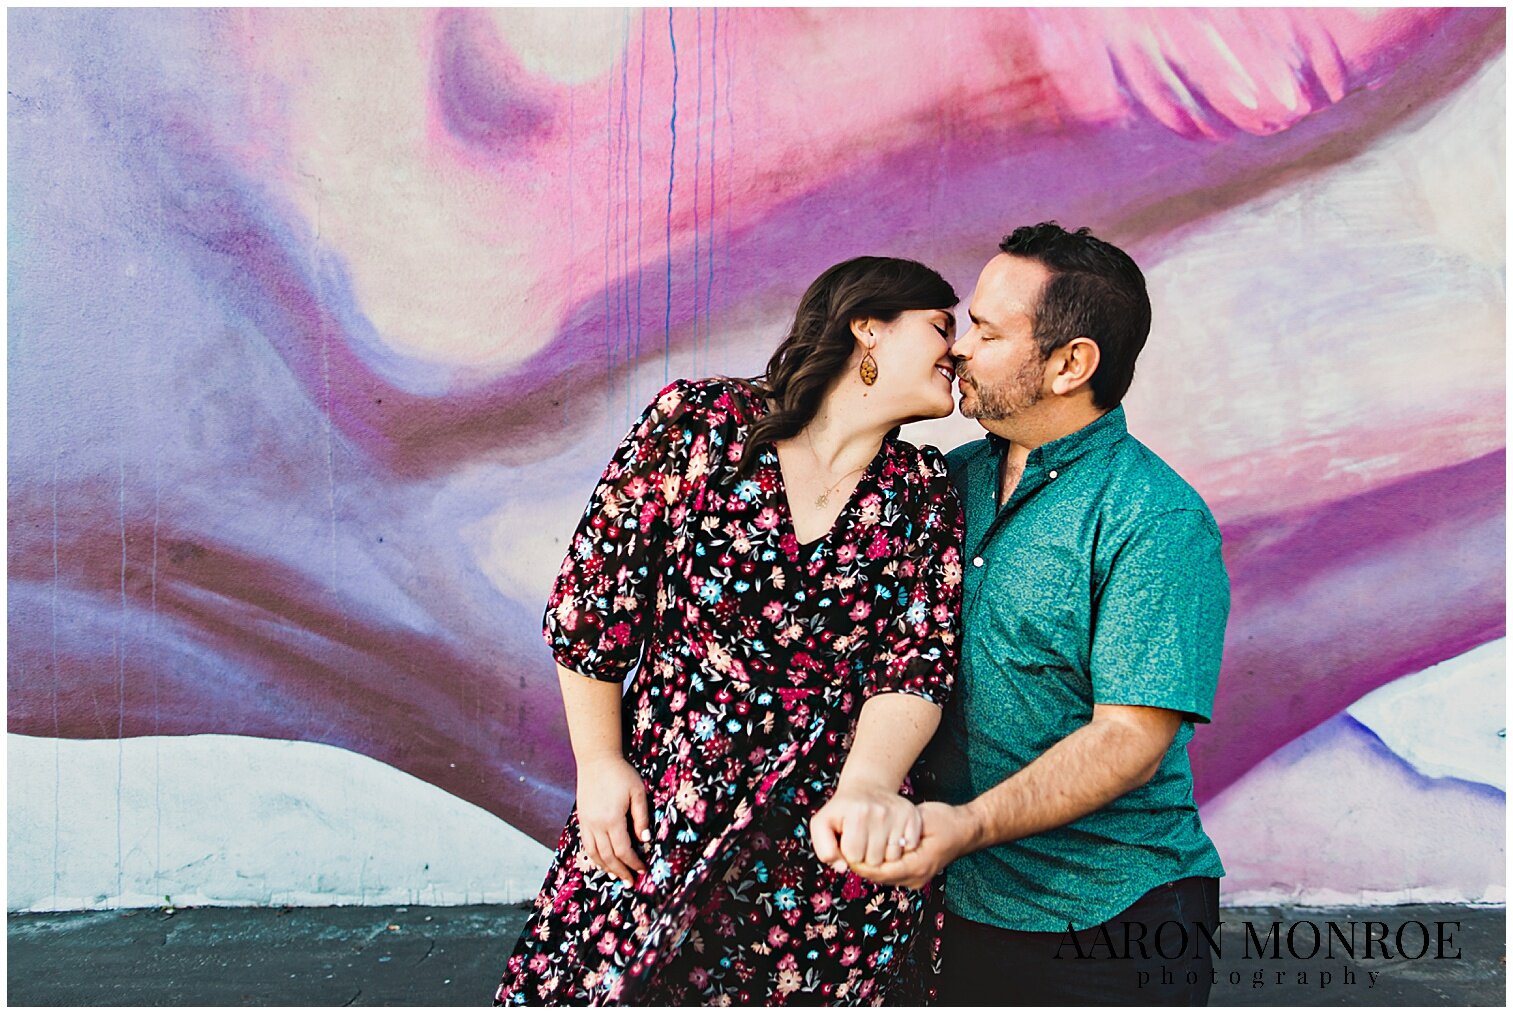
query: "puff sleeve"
599, 614
922, 640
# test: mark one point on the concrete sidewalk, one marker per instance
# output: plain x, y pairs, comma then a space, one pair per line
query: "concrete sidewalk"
453, 956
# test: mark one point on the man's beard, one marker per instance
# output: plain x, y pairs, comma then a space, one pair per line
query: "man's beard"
1015, 395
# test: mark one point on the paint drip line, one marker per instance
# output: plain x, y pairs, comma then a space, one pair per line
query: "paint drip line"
612, 235
672, 176
609, 204
698, 151
714, 121
730, 161
572, 224
624, 236
640, 207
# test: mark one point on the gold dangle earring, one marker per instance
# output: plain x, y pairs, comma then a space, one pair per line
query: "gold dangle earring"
868, 368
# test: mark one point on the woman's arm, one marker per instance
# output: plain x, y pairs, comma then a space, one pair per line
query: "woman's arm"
608, 786
602, 608
867, 821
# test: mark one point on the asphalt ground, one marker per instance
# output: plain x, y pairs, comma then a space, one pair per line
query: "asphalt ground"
421, 956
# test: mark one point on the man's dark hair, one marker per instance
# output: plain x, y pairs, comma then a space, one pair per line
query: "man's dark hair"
1095, 291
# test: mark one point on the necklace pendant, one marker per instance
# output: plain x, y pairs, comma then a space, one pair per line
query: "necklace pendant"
822, 499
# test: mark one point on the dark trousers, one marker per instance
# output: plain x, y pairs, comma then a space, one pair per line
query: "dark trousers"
1154, 952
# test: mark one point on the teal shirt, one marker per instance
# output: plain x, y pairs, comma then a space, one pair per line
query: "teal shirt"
1099, 581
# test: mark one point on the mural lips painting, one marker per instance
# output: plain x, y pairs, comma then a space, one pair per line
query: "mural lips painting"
312, 365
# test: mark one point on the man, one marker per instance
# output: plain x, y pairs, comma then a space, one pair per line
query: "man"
1094, 605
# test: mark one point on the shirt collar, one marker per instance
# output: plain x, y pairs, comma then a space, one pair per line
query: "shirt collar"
1103, 431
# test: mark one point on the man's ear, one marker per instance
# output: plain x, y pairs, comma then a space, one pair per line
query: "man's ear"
1077, 361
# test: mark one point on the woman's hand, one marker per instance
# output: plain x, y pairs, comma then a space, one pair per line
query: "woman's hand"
867, 821
864, 823
950, 832
611, 795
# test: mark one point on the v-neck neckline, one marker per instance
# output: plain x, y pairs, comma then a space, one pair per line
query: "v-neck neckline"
782, 482
788, 518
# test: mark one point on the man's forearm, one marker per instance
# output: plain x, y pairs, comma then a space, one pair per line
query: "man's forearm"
1095, 765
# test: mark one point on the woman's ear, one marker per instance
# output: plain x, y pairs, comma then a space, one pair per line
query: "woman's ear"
864, 329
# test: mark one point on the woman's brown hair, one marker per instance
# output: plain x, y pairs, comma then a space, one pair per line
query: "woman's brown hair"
819, 343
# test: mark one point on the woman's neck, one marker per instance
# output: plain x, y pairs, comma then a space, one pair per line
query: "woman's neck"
844, 433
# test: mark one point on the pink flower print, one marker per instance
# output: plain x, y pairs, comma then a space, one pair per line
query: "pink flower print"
850, 955
773, 611
821, 901
878, 547
687, 797
776, 937
846, 553
636, 488
872, 509
767, 520
861, 609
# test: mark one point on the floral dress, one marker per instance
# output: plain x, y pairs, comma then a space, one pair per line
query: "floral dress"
756, 653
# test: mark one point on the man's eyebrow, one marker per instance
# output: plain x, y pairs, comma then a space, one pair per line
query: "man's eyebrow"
978, 320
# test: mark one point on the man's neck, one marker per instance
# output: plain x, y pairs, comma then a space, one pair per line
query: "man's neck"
1035, 429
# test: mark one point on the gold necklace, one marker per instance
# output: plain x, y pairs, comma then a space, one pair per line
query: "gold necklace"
823, 500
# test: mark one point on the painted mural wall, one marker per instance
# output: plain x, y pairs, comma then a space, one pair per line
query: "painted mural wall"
323, 323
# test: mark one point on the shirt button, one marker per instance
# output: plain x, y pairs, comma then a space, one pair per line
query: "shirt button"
977, 561
1053, 473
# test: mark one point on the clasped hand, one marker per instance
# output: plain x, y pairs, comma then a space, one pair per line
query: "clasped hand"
883, 837
864, 824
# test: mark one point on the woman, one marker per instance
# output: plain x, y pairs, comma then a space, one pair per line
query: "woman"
788, 574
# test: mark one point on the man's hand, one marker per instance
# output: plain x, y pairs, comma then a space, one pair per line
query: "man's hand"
949, 832
611, 796
863, 824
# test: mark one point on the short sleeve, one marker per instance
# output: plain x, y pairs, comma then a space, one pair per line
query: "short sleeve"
1158, 620
598, 616
922, 643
